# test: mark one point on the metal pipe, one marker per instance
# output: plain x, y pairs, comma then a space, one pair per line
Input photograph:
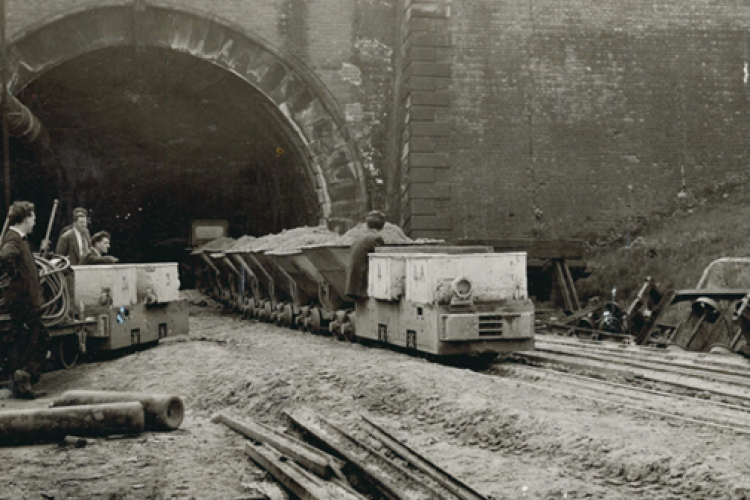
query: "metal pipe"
4, 78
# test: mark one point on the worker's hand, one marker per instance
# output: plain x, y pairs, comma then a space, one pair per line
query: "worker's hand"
45, 244
112, 260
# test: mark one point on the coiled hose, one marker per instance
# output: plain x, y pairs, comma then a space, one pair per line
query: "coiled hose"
54, 290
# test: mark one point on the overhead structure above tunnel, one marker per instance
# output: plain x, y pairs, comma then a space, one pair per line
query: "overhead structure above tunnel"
310, 112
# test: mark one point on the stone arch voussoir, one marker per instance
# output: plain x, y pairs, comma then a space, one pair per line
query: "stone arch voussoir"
309, 108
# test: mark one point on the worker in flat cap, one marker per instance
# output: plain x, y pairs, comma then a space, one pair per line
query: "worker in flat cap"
75, 241
356, 282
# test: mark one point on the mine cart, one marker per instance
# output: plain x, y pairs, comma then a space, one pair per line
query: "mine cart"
717, 320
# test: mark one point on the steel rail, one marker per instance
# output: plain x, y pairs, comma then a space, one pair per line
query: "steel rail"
455, 486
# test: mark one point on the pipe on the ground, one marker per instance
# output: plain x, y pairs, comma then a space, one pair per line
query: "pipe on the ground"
19, 427
163, 412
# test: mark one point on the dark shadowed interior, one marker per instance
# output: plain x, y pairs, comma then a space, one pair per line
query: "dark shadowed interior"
149, 140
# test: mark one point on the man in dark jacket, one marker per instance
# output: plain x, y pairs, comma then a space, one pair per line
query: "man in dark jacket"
99, 246
356, 282
75, 241
23, 300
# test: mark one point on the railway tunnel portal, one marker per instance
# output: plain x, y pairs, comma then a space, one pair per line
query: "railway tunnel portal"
158, 116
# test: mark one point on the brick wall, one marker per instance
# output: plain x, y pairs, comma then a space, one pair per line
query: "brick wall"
569, 116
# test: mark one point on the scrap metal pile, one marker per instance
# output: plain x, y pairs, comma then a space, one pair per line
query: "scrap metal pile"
712, 317
362, 462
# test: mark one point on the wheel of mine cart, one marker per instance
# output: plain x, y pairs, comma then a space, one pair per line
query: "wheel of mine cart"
278, 315
316, 321
252, 308
267, 311
300, 319
286, 316
66, 351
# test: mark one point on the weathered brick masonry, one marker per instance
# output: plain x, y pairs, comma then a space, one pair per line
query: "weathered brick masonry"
568, 116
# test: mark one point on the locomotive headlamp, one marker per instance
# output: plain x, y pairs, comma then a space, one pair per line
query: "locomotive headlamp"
461, 287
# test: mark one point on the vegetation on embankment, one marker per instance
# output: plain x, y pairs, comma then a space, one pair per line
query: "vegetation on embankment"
673, 248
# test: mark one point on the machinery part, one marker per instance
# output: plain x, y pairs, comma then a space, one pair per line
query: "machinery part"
65, 351
53, 424
301, 317
707, 308
461, 288
340, 326
586, 324
348, 327
162, 411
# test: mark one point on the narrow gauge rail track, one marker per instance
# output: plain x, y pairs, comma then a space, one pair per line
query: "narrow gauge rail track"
398, 472
693, 388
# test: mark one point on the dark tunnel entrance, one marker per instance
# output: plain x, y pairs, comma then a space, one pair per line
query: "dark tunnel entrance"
149, 139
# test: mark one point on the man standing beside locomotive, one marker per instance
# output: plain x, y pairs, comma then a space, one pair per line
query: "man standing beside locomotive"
356, 282
75, 241
23, 299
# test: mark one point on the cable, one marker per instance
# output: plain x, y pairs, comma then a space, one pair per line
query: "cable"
54, 287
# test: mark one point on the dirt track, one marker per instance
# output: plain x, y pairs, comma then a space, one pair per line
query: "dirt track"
496, 433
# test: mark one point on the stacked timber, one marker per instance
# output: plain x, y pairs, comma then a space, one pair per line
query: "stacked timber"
349, 460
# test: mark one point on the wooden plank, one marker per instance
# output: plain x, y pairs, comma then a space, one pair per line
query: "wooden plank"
300, 482
562, 283
304, 454
571, 285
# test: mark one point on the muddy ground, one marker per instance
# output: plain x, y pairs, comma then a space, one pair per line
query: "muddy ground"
494, 432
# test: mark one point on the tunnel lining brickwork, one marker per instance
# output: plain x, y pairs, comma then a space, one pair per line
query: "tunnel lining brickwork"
284, 80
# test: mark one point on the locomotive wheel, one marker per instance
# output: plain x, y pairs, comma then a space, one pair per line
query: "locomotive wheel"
347, 331
66, 352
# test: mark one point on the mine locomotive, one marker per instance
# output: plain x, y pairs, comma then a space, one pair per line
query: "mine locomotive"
103, 307
438, 299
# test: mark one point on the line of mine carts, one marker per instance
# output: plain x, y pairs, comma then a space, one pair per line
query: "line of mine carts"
439, 299
480, 307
